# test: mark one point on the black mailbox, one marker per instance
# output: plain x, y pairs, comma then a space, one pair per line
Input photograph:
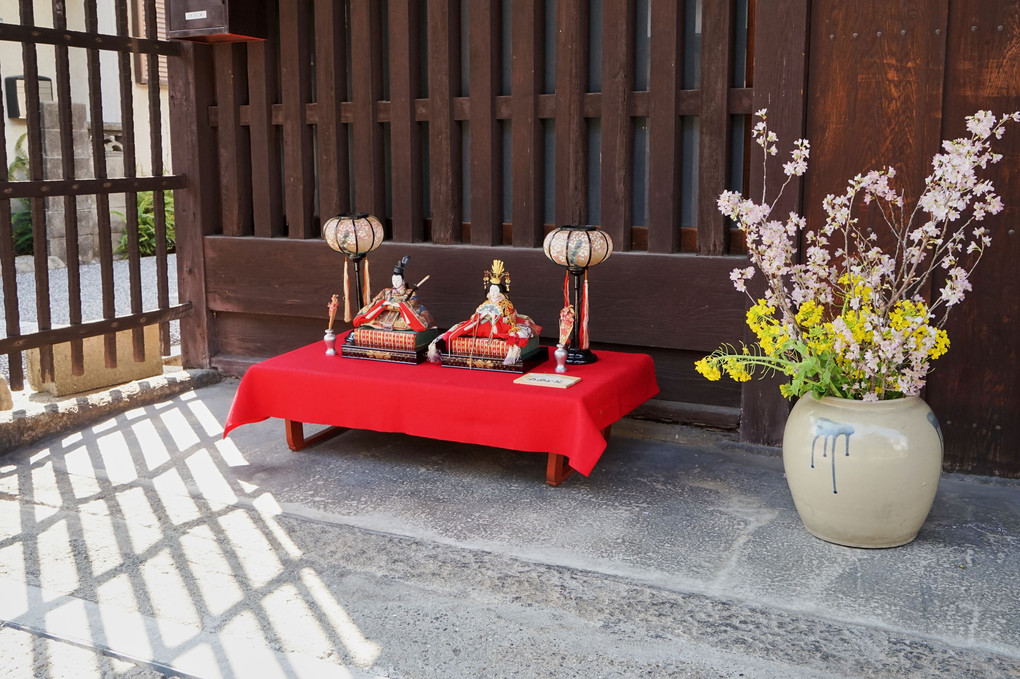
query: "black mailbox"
216, 20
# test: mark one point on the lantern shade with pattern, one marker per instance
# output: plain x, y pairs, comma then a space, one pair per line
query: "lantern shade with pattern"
354, 236
576, 248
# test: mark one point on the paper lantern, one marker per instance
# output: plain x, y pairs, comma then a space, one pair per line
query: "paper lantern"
577, 248
354, 236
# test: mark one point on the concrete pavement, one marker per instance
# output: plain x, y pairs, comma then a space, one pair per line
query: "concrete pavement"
145, 545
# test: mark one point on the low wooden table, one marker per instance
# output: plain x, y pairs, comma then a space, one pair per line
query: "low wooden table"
468, 406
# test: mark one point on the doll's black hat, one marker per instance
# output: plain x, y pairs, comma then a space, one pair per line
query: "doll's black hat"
399, 268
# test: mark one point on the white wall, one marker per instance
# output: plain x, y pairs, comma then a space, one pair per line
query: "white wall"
11, 64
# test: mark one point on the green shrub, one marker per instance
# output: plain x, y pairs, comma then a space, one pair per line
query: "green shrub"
147, 225
21, 208
21, 221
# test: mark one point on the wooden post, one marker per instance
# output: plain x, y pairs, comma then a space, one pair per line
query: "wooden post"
196, 207
780, 77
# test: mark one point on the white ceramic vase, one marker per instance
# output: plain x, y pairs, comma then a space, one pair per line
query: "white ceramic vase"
862, 474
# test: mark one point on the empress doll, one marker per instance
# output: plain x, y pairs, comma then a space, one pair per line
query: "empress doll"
495, 318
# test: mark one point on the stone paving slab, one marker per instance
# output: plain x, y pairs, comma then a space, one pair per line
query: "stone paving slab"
393, 556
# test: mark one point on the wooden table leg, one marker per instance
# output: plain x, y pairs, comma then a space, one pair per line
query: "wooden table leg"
557, 469
296, 435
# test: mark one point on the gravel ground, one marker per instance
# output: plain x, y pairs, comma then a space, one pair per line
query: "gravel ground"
91, 296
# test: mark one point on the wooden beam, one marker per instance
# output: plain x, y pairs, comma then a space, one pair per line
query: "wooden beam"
195, 209
83, 187
81, 331
40, 35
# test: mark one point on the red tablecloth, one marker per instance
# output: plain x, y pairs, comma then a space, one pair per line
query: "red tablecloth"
468, 406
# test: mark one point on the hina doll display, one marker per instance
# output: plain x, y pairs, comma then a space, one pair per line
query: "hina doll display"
395, 325
496, 336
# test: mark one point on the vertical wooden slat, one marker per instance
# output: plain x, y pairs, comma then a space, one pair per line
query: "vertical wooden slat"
617, 131
232, 139
127, 117
8, 274
158, 197
666, 54
526, 129
266, 176
405, 137
298, 159
196, 210
975, 389
713, 152
366, 90
486, 145
444, 133
70, 203
331, 87
33, 118
571, 129
780, 79
105, 235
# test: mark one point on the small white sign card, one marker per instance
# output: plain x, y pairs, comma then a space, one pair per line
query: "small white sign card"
548, 380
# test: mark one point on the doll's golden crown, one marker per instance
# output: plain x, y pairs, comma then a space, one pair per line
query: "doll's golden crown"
497, 275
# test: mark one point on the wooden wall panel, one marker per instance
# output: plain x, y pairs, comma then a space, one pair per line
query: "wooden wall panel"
975, 388
571, 128
264, 136
232, 139
366, 90
405, 135
714, 142
664, 130
879, 84
330, 90
875, 93
444, 132
526, 128
617, 130
698, 316
296, 82
486, 152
